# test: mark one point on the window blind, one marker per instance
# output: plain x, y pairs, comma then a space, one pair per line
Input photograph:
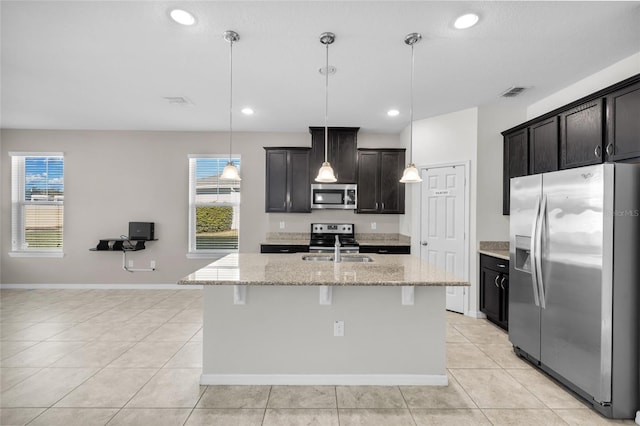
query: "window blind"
214, 206
37, 202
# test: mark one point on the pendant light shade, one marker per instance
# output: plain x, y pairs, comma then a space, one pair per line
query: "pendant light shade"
411, 174
325, 174
230, 171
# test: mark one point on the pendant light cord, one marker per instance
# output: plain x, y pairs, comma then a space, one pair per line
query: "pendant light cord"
326, 106
231, 97
411, 112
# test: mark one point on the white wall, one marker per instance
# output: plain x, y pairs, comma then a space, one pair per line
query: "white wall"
114, 177
619, 71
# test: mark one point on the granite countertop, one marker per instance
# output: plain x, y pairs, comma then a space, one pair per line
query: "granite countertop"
290, 269
364, 239
499, 249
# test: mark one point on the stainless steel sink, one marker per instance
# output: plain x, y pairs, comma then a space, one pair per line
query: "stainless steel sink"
360, 259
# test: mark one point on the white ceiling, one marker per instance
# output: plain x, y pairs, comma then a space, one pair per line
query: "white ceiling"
109, 65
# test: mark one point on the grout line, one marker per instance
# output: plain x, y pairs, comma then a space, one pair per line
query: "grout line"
264, 413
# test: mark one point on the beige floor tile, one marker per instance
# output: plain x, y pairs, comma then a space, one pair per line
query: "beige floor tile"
40, 331
130, 332
111, 387
495, 388
12, 376
197, 337
78, 315
74, 417
226, 417
190, 356
375, 417
170, 388
8, 349
456, 318
155, 315
150, 416
45, 388
235, 397
84, 332
451, 396
454, 336
8, 328
18, 416
467, 355
483, 333
523, 417
588, 416
302, 397
94, 354
188, 315
369, 397
147, 355
300, 417
545, 389
503, 355
449, 417
42, 354
179, 332
115, 315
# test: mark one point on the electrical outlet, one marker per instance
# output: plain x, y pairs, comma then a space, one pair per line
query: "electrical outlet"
153, 264
338, 328
282, 224
131, 264
374, 225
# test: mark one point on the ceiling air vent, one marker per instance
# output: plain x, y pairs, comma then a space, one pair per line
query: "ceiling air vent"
178, 100
512, 92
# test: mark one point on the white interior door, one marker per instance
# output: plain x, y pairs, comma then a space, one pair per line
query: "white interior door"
443, 225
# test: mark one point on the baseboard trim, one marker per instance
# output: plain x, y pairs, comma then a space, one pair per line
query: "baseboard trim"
326, 379
100, 287
476, 314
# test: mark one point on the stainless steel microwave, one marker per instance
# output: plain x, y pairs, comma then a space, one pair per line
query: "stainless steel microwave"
334, 196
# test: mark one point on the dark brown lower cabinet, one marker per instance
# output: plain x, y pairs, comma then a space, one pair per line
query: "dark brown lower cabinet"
283, 248
385, 249
494, 290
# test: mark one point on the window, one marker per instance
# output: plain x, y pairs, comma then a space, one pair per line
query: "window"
37, 204
214, 206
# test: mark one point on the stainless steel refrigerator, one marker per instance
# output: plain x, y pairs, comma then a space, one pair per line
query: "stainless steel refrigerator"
574, 280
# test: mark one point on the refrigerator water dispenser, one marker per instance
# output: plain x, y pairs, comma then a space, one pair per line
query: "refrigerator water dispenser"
523, 254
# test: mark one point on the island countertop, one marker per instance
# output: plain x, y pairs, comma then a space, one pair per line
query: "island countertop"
292, 270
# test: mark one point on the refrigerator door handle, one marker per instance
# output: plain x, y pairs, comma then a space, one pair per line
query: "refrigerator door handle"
541, 222
532, 254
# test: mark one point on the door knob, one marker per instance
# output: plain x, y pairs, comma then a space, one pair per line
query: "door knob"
424, 243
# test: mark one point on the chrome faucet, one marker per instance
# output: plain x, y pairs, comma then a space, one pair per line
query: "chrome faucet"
336, 252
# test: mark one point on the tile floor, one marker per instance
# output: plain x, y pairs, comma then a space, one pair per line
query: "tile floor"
133, 357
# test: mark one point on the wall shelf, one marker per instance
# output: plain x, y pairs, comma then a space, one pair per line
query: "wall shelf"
124, 245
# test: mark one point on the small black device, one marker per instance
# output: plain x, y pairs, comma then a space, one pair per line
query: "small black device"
141, 231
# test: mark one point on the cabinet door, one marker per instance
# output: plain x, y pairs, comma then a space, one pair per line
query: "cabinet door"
515, 162
342, 154
276, 181
543, 144
490, 293
581, 135
368, 182
391, 190
298, 181
623, 124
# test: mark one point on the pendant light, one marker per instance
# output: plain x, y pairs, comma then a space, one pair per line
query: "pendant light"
230, 171
411, 174
325, 174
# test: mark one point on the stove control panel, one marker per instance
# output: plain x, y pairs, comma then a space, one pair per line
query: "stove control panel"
332, 228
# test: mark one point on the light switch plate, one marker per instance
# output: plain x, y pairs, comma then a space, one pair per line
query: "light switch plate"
338, 328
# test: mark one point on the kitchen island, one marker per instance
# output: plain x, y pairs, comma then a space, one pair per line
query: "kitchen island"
280, 319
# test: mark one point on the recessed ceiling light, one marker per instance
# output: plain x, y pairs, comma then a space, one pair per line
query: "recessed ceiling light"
182, 17
466, 21
393, 113
247, 111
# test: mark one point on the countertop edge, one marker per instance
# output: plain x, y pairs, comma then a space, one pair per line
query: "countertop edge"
500, 254
332, 284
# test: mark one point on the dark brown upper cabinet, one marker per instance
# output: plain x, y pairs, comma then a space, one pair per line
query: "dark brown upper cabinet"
341, 152
581, 135
543, 146
623, 124
287, 180
516, 161
379, 187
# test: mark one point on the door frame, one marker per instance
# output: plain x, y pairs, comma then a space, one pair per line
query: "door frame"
467, 223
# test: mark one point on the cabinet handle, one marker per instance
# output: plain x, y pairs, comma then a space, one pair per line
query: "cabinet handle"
502, 282
496, 281
382, 206
376, 205
501, 265
284, 250
609, 149
383, 251
598, 151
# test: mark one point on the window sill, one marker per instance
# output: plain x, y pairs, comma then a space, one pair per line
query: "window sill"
57, 254
215, 256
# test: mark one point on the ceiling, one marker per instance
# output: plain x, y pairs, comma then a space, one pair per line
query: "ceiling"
110, 65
